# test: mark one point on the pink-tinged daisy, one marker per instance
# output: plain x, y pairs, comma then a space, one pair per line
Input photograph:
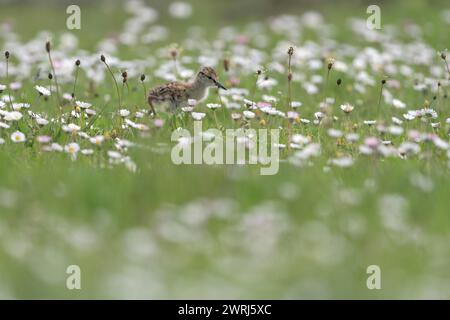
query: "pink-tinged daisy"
44, 139
158, 123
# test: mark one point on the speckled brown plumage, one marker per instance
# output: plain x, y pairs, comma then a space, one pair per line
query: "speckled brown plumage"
176, 94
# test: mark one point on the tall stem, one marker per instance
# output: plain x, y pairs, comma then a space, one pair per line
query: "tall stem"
56, 80
115, 81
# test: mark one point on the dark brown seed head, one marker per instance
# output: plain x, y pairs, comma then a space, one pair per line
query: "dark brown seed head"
7, 54
383, 82
290, 51
48, 46
77, 63
258, 72
173, 53
142, 77
124, 75
339, 81
226, 64
290, 76
50, 76
102, 57
443, 56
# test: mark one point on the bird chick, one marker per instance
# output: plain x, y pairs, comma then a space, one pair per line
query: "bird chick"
175, 95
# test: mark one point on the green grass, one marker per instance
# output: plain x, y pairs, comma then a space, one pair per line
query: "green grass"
135, 235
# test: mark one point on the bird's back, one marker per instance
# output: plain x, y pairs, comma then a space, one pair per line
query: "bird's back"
173, 93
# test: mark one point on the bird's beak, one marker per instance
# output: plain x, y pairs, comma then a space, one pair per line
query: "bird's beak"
219, 85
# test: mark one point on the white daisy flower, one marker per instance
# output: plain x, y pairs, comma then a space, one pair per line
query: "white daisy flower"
296, 104
97, 140
72, 148
398, 104
90, 112
13, 116
124, 113
114, 154
213, 106
347, 107
192, 102
180, 10
57, 147
343, 162
83, 105
87, 152
19, 106
41, 121
4, 125
198, 115
17, 137
334, 133
187, 109
43, 90
71, 127
15, 86
248, 114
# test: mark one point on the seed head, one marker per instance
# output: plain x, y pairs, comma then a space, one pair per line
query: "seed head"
102, 57
48, 46
339, 81
226, 64
142, 77
290, 76
383, 82
258, 72
443, 56
77, 63
124, 74
290, 51
330, 62
7, 54
50, 76
174, 52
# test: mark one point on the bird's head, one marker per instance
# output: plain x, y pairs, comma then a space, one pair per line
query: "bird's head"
208, 77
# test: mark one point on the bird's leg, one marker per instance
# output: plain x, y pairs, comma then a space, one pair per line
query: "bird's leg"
151, 107
173, 121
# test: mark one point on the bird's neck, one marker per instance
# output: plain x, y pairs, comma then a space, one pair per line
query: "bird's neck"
198, 90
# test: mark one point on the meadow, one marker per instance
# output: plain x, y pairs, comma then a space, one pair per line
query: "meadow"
86, 176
